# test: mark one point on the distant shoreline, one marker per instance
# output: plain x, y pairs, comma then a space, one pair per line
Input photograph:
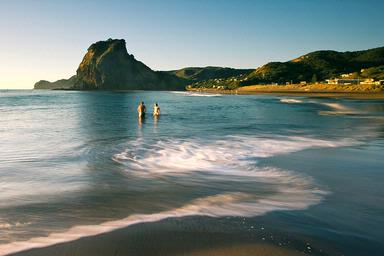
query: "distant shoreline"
297, 90
253, 90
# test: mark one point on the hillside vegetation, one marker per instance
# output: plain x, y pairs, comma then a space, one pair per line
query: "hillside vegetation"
313, 67
206, 73
59, 84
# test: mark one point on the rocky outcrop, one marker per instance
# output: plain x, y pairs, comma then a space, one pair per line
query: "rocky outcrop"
59, 84
107, 65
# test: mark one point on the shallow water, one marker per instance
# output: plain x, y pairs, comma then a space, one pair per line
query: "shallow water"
74, 164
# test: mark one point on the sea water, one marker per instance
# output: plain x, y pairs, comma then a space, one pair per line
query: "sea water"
75, 164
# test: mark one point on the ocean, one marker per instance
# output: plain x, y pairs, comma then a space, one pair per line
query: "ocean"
295, 172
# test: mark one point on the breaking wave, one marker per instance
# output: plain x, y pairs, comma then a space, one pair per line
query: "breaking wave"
338, 109
242, 187
199, 94
286, 100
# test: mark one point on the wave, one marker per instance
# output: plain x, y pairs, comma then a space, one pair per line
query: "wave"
230, 204
230, 161
286, 100
6, 225
199, 94
229, 153
338, 109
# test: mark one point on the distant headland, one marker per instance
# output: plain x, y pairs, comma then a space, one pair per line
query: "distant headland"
108, 66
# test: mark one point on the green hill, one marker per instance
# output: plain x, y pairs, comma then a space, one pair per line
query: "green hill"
375, 72
315, 66
205, 73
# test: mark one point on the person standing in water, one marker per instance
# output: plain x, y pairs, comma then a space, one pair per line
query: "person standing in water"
156, 110
141, 109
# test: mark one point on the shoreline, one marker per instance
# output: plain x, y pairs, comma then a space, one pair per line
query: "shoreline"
363, 95
173, 236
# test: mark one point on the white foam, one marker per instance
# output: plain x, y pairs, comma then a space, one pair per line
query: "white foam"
6, 225
198, 94
286, 100
230, 204
231, 153
232, 158
338, 109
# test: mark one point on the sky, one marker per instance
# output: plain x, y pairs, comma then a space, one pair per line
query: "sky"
48, 39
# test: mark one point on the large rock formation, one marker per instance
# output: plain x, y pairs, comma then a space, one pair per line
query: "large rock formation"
108, 66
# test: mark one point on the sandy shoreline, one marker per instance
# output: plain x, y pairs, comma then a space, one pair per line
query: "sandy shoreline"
167, 237
298, 93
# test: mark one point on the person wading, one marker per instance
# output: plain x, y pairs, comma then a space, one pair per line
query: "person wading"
156, 110
141, 109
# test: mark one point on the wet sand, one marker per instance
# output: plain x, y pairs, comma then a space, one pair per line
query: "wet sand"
168, 237
244, 250
299, 93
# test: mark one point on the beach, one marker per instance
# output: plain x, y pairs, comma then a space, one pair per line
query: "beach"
240, 174
319, 90
170, 237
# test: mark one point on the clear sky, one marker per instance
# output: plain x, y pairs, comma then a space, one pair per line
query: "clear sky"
47, 39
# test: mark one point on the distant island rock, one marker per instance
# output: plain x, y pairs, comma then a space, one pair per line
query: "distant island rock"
59, 84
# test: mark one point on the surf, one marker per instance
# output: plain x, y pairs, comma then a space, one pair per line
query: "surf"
233, 159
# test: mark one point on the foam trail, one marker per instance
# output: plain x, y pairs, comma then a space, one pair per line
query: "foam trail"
232, 154
230, 204
228, 159
338, 109
286, 100
198, 94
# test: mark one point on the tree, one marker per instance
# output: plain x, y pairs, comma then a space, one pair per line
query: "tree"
314, 79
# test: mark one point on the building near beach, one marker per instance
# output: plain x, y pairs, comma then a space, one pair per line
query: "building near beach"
368, 81
343, 81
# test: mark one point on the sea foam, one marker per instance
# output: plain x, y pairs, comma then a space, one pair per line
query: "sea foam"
287, 100
231, 158
198, 94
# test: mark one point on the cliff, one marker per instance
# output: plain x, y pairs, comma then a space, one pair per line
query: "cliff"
107, 65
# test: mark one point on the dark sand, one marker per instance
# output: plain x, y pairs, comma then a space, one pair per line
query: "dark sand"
191, 236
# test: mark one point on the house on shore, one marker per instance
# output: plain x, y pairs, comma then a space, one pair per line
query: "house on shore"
368, 81
344, 81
